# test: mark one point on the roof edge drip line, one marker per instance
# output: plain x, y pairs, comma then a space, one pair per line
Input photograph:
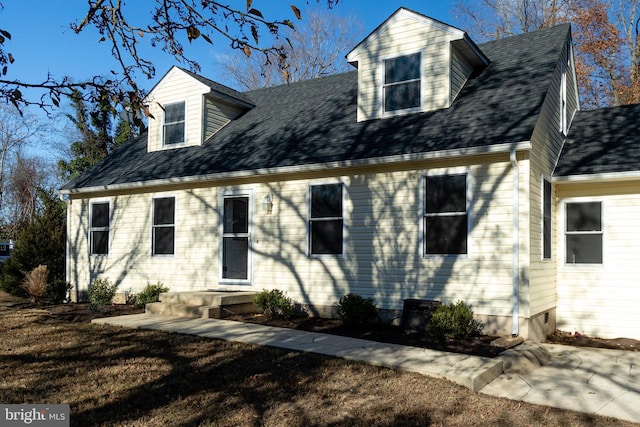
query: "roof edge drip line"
376, 161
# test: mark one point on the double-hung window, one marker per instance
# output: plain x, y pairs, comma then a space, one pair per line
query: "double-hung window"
163, 232
402, 85
546, 219
583, 235
173, 127
326, 220
446, 215
99, 228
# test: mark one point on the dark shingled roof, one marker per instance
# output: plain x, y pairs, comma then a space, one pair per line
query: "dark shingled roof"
602, 141
221, 89
314, 122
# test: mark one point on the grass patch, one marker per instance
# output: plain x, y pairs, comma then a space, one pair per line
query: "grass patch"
113, 376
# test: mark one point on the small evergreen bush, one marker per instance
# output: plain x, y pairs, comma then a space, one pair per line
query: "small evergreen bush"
274, 304
355, 310
454, 320
151, 293
102, 292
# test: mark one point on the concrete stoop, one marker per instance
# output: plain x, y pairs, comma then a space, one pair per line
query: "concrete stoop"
524, 358
204, 304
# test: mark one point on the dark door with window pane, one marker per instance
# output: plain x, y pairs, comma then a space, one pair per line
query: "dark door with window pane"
235, 238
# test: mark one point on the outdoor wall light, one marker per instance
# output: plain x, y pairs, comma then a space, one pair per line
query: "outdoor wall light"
267, 203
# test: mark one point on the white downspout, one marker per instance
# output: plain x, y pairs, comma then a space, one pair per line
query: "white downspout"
516, 242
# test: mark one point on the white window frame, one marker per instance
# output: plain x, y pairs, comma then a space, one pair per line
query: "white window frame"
422, 211
564, 117
344, 218
232, 193
383, 85
165, 124
602, 202
544, 179
92, 228
175, 225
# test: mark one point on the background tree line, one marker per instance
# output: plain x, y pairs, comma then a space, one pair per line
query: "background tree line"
605, 34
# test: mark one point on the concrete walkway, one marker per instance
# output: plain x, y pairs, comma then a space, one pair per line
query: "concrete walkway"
602, 382
591, 380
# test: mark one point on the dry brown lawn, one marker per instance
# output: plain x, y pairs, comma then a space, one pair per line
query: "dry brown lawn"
113, 376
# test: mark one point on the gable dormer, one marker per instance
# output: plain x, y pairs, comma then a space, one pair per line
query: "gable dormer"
412, 63
187, 109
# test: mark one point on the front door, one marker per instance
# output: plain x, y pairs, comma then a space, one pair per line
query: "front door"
236, 237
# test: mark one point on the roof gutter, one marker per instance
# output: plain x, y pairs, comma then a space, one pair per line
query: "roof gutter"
594, 177
516, 243
375, 161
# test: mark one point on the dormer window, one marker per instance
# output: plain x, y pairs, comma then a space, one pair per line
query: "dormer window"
402, 77
173, 128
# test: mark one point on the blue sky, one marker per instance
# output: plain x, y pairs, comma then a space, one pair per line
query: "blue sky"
43, 43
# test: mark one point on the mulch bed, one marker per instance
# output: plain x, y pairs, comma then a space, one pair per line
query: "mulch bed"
479, 346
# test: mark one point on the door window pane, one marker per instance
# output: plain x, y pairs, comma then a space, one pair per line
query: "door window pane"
236, 214
235, 239
234, 257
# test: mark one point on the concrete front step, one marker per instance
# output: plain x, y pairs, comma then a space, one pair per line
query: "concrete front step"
206, 304
212, 298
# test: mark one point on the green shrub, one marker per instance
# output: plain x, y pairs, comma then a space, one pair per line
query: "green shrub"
454, 320
151, 293
41, 241
102, 292
274, 304
57, 291
355, 310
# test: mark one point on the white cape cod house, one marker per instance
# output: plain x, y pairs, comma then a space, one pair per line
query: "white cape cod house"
438, 170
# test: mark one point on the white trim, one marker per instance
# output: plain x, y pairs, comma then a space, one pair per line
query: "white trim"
225, 193
382, 112
175, 225
606, 176
345, 199
548, 179
401, 13
563, 244
462, 170
164, 145
93, 201
315, 167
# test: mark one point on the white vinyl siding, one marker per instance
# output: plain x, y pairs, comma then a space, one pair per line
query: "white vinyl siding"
176, 86
460, 73
217, 115
405, 36
383, 254
603, 299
